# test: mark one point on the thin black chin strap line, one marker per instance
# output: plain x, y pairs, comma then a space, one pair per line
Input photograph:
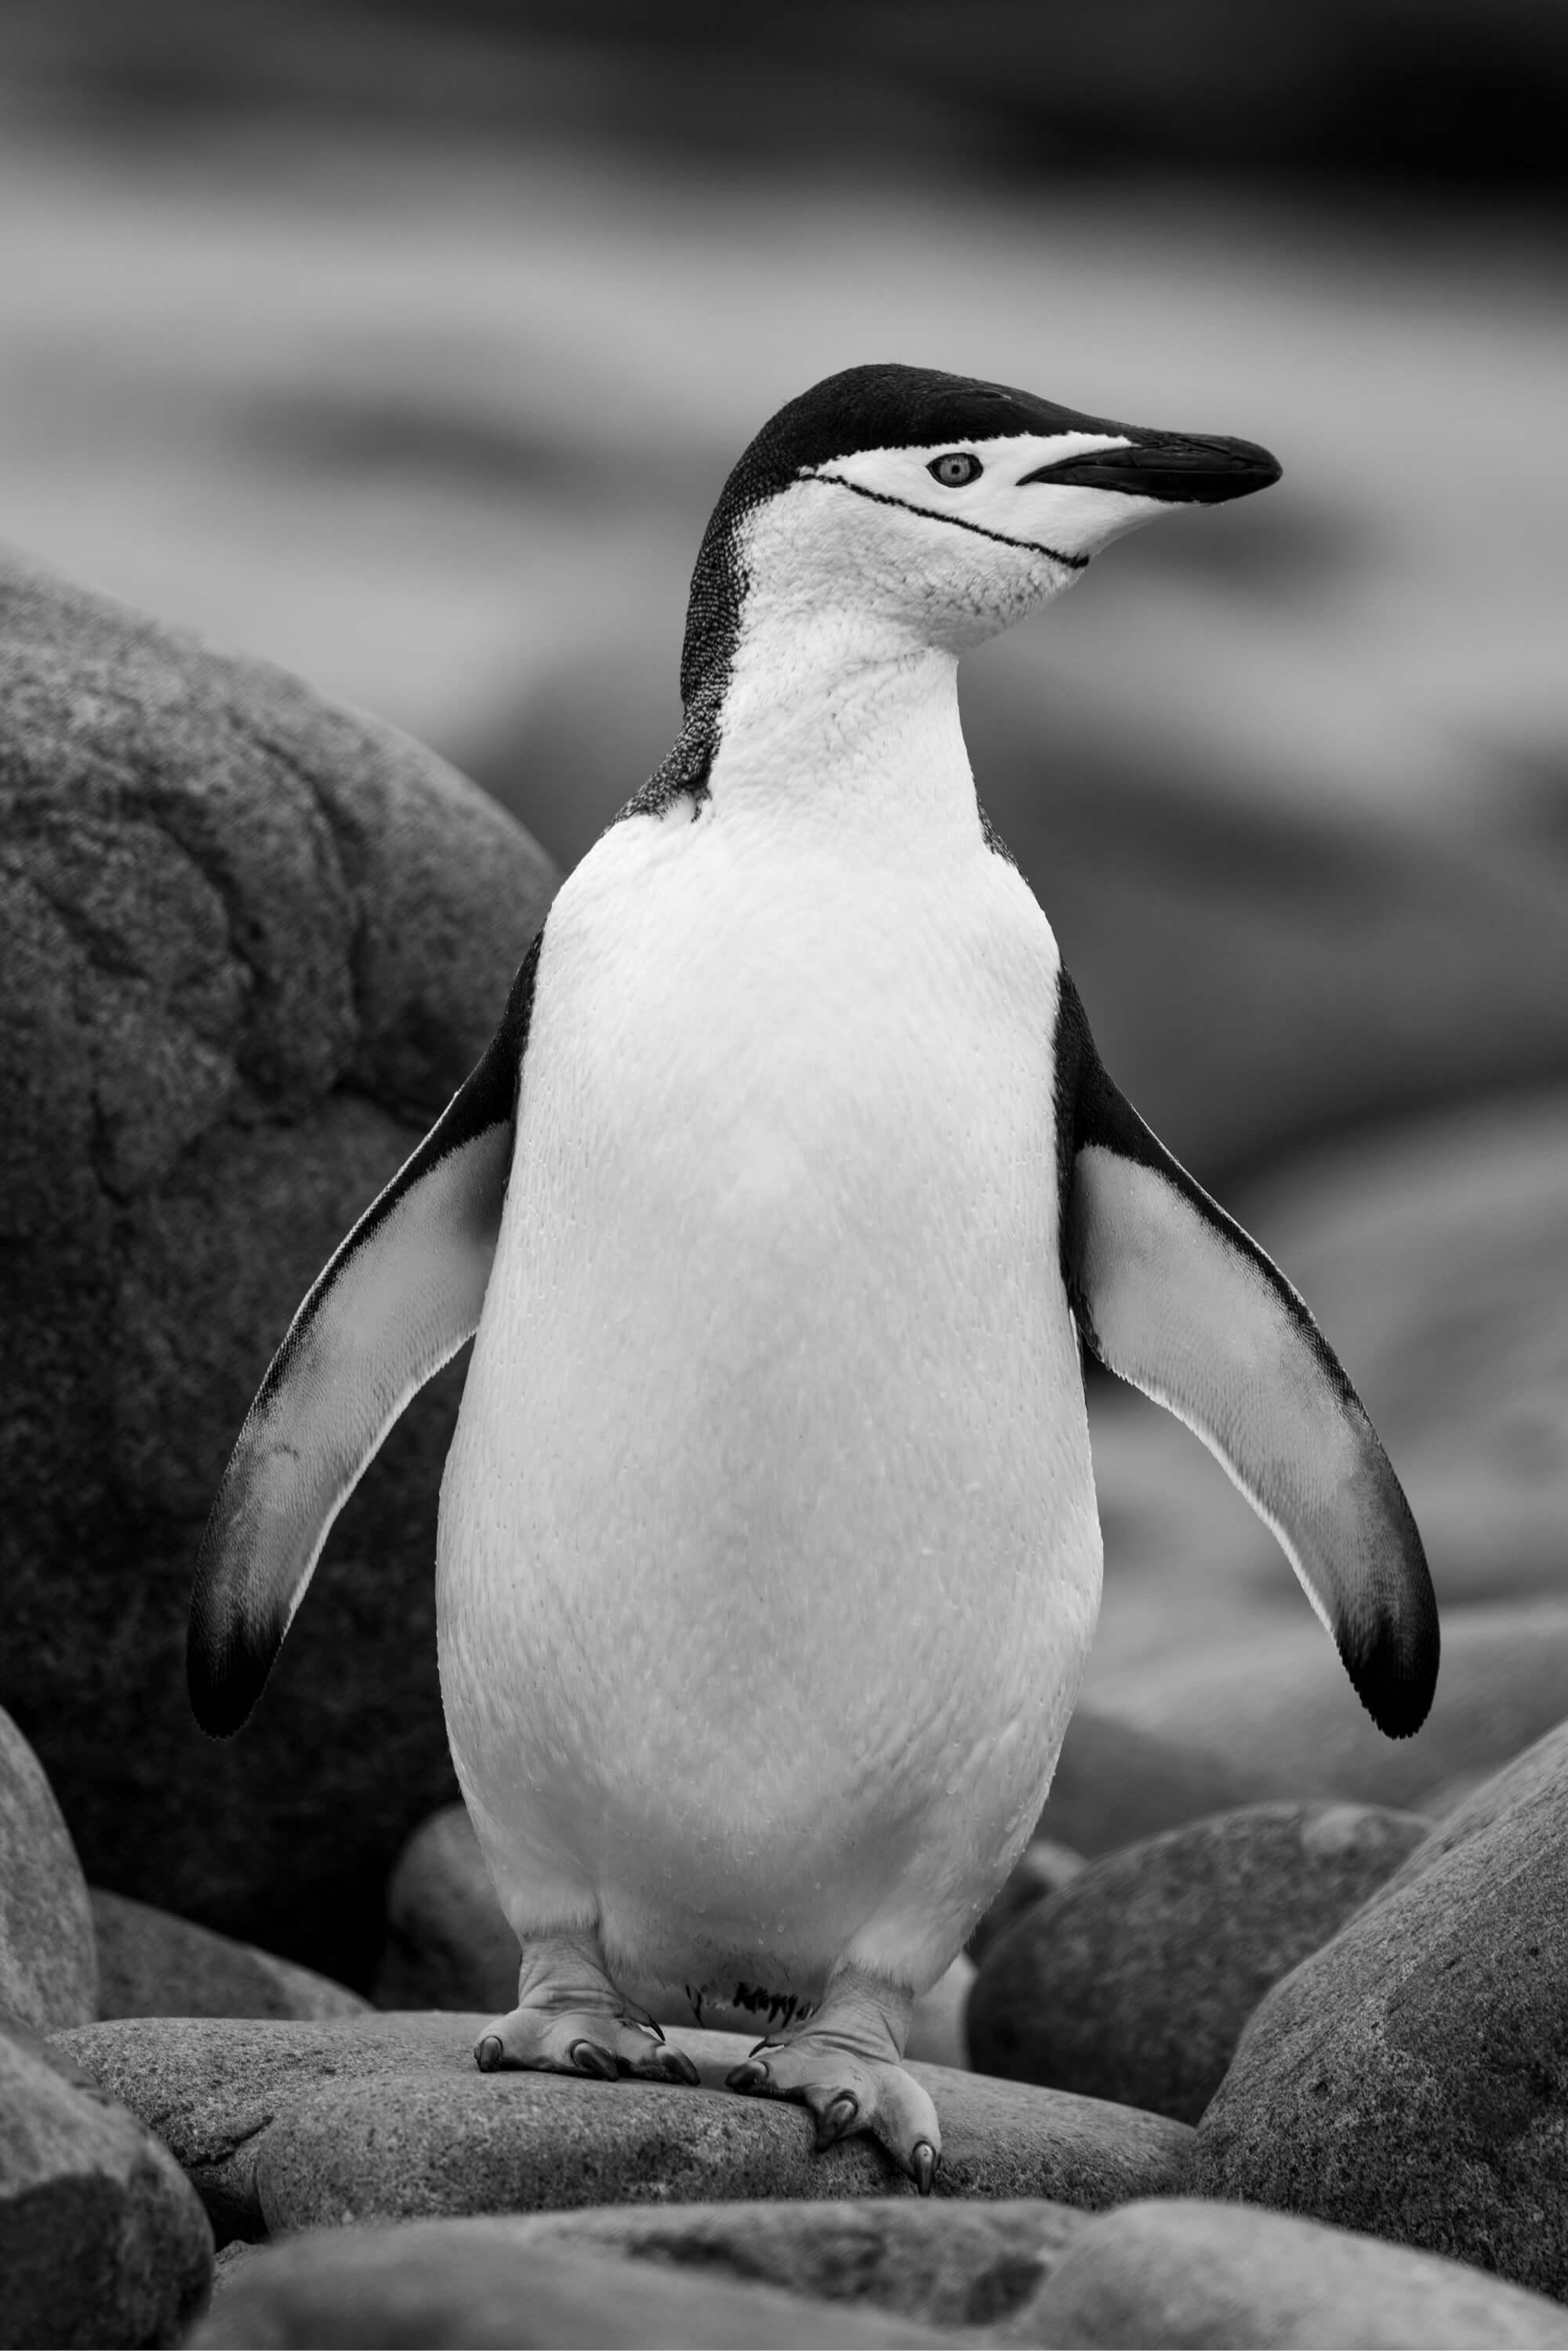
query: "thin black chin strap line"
881, 498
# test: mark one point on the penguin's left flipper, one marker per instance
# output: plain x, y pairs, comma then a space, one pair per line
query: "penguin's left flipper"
1172, 1295
394, 1302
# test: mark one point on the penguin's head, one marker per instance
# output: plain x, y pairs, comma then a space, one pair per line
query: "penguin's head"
941, 506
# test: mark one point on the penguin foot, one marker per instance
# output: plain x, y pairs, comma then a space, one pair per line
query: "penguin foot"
571, 2019
579, 2040
844, 2067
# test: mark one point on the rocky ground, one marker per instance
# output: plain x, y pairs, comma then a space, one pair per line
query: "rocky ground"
1266, 2040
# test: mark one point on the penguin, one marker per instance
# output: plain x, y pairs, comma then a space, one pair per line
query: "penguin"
782, 1209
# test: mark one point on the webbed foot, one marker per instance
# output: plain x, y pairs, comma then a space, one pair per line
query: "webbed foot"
844, 2065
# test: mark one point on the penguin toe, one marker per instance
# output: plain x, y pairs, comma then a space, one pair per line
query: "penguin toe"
850, 2094
601, 2047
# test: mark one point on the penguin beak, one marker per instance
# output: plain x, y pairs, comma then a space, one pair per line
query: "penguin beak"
1174, 467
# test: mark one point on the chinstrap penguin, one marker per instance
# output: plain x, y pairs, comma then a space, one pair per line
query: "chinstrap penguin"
782, 1204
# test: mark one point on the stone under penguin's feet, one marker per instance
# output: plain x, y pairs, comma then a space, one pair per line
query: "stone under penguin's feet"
844, 2065
571, 2019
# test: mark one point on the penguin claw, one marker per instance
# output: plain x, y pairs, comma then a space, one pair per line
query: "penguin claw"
590, 2057
679, 2067
748, 2075
838, 2119
488, 2054
923, 2165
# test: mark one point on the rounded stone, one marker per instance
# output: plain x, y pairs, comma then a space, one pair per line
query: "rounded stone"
1274, 1710
253, 945
470, 2283
1116, 1781
151, 1963
1190, 2273
49, 1966
1043, 1867
943, 2263
293, 2125
1134, 1983
102, 2240
1412, 2076
447, 1941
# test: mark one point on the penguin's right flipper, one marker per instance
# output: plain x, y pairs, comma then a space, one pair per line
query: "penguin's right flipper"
1173, 1295
395, 1302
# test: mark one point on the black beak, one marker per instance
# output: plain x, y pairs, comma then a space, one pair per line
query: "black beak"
1169, 466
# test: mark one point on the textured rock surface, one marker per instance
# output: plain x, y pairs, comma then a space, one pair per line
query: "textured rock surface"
1135, 1982
1116, 1781
101, 2239
252, 944
448, 1944
472, 2283
1275, 1711
49, 1972
947, 2265
1187, 2272
386, 2117
1043, 1867
1412, 2077
151, 1963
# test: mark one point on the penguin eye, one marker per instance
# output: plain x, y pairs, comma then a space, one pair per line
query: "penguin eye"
959, 466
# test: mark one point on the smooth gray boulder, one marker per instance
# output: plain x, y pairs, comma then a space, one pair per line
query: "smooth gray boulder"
288, 2125
151, 1963
253, 943
950, 2264
1188, 2273
1411, 2078
470, 2284
48, 1965
1043, 1867
1134, 1982
1274, 1710
102, 2240
1116, 1781
447, 1941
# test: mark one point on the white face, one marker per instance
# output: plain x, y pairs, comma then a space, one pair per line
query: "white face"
1066, 518
951, 535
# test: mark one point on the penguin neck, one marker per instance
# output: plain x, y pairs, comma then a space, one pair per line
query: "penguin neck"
842, 722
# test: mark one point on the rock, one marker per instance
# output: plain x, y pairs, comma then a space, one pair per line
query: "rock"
1116, 1781
945, 2266
290, 2125
448, 1944
938, 2035
153, 1964
1200, 2274
1412, 2076
101, 2239
472, 2283
1135, 1982
1043, 1867
48, 1970
1275, 1712
1537, 1772
252, 945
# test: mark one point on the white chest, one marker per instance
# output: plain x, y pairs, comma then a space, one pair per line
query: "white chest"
776, 1400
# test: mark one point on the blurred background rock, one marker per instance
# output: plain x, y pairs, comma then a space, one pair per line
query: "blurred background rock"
409, 346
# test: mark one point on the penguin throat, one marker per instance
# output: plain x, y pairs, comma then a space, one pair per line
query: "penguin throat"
819, 722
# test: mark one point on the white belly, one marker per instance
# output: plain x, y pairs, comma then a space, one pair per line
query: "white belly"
769, 1557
